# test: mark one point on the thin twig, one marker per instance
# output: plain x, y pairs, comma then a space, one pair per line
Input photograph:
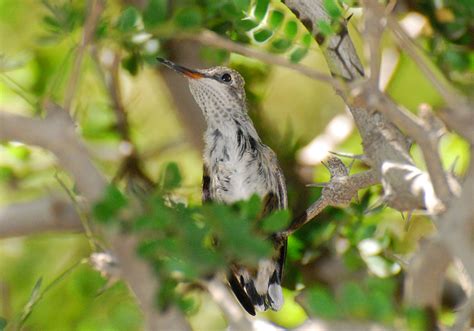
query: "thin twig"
96, 7
213, 39
340, 190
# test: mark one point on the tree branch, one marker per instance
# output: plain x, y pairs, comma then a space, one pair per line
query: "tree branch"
56, 133
339, 192
96, 7
39, 216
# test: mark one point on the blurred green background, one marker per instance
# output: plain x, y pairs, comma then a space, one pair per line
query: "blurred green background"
38, 41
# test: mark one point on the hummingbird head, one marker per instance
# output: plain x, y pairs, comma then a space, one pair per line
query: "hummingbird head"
219, 91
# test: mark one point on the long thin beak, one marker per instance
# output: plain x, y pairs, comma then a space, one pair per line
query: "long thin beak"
185, 71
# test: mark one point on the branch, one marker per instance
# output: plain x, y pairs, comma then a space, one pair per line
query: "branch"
213, 39
56, 133
385, 146
43, 215
339, 192
96, 7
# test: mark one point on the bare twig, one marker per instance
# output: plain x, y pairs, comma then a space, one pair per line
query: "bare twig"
453, 99
96, 7
338, 192
56, 133
213, 39
425, 135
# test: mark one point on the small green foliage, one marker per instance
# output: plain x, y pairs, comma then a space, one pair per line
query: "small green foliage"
275, 19
132, 63
155, 13
281, 45
333, 9
110, 205
3, 323
307, 39
262, 35
325, 28
291, 29
276, 221
298, 54
128, 20
242, 5
261, 9
188, 17
246, 24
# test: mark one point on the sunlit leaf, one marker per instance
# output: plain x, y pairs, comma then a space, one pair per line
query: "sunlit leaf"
246, 24
291, 29
298, 54
275, 19
333, 9
262, 35
261, 8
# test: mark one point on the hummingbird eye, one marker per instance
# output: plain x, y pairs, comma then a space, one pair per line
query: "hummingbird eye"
226, 77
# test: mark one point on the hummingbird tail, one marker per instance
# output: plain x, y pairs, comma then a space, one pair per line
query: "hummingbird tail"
262, 291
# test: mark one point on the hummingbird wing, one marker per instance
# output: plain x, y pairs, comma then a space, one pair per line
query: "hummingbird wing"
262, 287
206, 184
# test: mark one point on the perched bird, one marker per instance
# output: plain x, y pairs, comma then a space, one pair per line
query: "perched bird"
237, 165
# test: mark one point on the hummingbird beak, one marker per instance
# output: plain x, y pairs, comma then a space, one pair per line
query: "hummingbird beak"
193, 74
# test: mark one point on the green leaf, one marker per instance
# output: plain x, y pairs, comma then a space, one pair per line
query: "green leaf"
262, 35
246, 24
298, 54
112, 202
324, 28
276, 221
171, 177
242, 5
132, 63
188, 17
261, 9
3, 323
155, 13
295, 248
276, 18
333, 9
307, 39
322, 304
128, 19
291, 29
281, 45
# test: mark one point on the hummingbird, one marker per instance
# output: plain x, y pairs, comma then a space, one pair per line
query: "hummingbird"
236, 166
